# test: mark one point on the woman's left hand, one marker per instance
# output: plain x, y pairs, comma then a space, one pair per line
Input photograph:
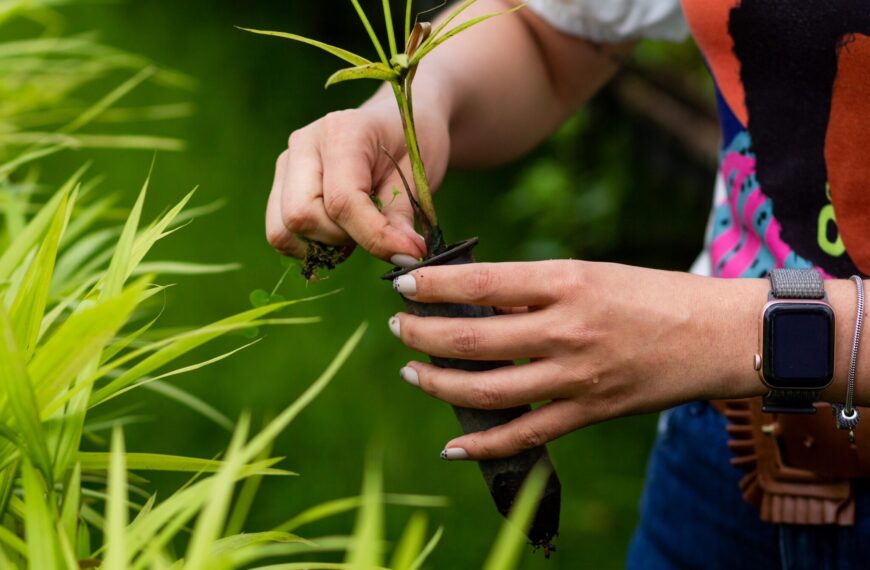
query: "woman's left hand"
604, 340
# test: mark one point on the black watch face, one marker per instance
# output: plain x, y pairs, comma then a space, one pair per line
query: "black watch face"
798, 345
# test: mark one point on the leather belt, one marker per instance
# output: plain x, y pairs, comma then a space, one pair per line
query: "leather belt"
800, 469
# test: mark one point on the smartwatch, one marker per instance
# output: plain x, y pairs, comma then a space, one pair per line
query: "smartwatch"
796, 358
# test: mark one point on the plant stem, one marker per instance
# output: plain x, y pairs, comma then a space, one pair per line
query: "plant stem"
421, 179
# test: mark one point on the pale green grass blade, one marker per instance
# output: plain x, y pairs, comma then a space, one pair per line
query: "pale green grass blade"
87, 216
465, 5
428, 549
347, 56
365, 551
411, 544
391, 33
118, 267
94, 141
116, 507
315, 566
30, 301
112, 350
178, 371
338, 506
69, 514
372, 35
245, 557
210, 523
66, 550
245, 500
377, 71
12, 541
508, 547
77, 342
101, 461
174, 348
261, 440
237, 542
409, 11
189, 400
110, 99
17, 251
434, 42
7, 168
20, 398
186, 268
42, 546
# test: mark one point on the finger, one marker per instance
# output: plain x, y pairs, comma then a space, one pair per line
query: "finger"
497, 389
302, 209
277, 234
347, 182
504, 284
530, 430
511, 310
505, 337
396, 206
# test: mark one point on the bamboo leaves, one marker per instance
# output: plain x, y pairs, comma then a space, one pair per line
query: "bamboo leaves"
377, 71
340, 53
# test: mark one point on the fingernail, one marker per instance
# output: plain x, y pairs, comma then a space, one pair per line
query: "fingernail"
395, 326
410, 376
454, 454
405, 285
422, 239
402, 260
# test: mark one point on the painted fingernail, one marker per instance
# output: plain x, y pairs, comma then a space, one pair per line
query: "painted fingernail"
405, 285
402, 260
410, 376
395, 326
454, 454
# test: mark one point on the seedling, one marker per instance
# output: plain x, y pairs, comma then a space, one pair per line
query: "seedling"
504, 477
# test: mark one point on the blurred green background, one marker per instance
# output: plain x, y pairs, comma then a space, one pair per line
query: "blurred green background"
627, 180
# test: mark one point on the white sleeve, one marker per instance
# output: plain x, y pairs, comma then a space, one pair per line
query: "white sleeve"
615, 20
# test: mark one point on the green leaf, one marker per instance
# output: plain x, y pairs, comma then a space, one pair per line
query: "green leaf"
434, 42
245, 500
42, 547
365, 550
100, 461
30, 301
409, 10
119, 266
116, 506
210, 524
20, 398
196, 404
372, 35
69, 515
107, 101
428, 549
259, 298
391, 33
511, 539
347, 56
239, 541
15, 253
377, 71
411, 543
11, 540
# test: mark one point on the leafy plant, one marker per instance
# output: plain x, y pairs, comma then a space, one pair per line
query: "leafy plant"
398, 69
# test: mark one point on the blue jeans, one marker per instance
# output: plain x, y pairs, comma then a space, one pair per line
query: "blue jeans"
693, 515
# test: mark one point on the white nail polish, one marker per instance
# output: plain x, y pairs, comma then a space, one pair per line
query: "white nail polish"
410, 376
395, 326
402, 260
405, 285
454, 454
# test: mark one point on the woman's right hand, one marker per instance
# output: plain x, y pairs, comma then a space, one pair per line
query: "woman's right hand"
327, 180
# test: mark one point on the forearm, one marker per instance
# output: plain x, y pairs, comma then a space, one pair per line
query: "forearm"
739, 337
508, 84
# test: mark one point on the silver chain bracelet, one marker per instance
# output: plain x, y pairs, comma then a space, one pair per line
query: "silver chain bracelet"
847, 414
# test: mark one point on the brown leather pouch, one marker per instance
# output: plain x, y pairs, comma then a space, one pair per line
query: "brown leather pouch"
799, 469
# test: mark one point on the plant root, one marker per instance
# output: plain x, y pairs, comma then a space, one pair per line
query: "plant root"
321, 256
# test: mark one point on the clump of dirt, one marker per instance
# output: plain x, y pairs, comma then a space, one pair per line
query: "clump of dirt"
321, 256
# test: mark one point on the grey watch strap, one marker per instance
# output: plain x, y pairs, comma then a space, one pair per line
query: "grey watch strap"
794, 284
797, 284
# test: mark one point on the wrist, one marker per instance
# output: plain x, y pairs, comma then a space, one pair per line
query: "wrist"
735, 309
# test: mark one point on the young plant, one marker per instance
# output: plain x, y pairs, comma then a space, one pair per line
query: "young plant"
398, 69
504, 477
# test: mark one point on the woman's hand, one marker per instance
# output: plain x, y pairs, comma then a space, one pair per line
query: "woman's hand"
604, 340
333, 177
